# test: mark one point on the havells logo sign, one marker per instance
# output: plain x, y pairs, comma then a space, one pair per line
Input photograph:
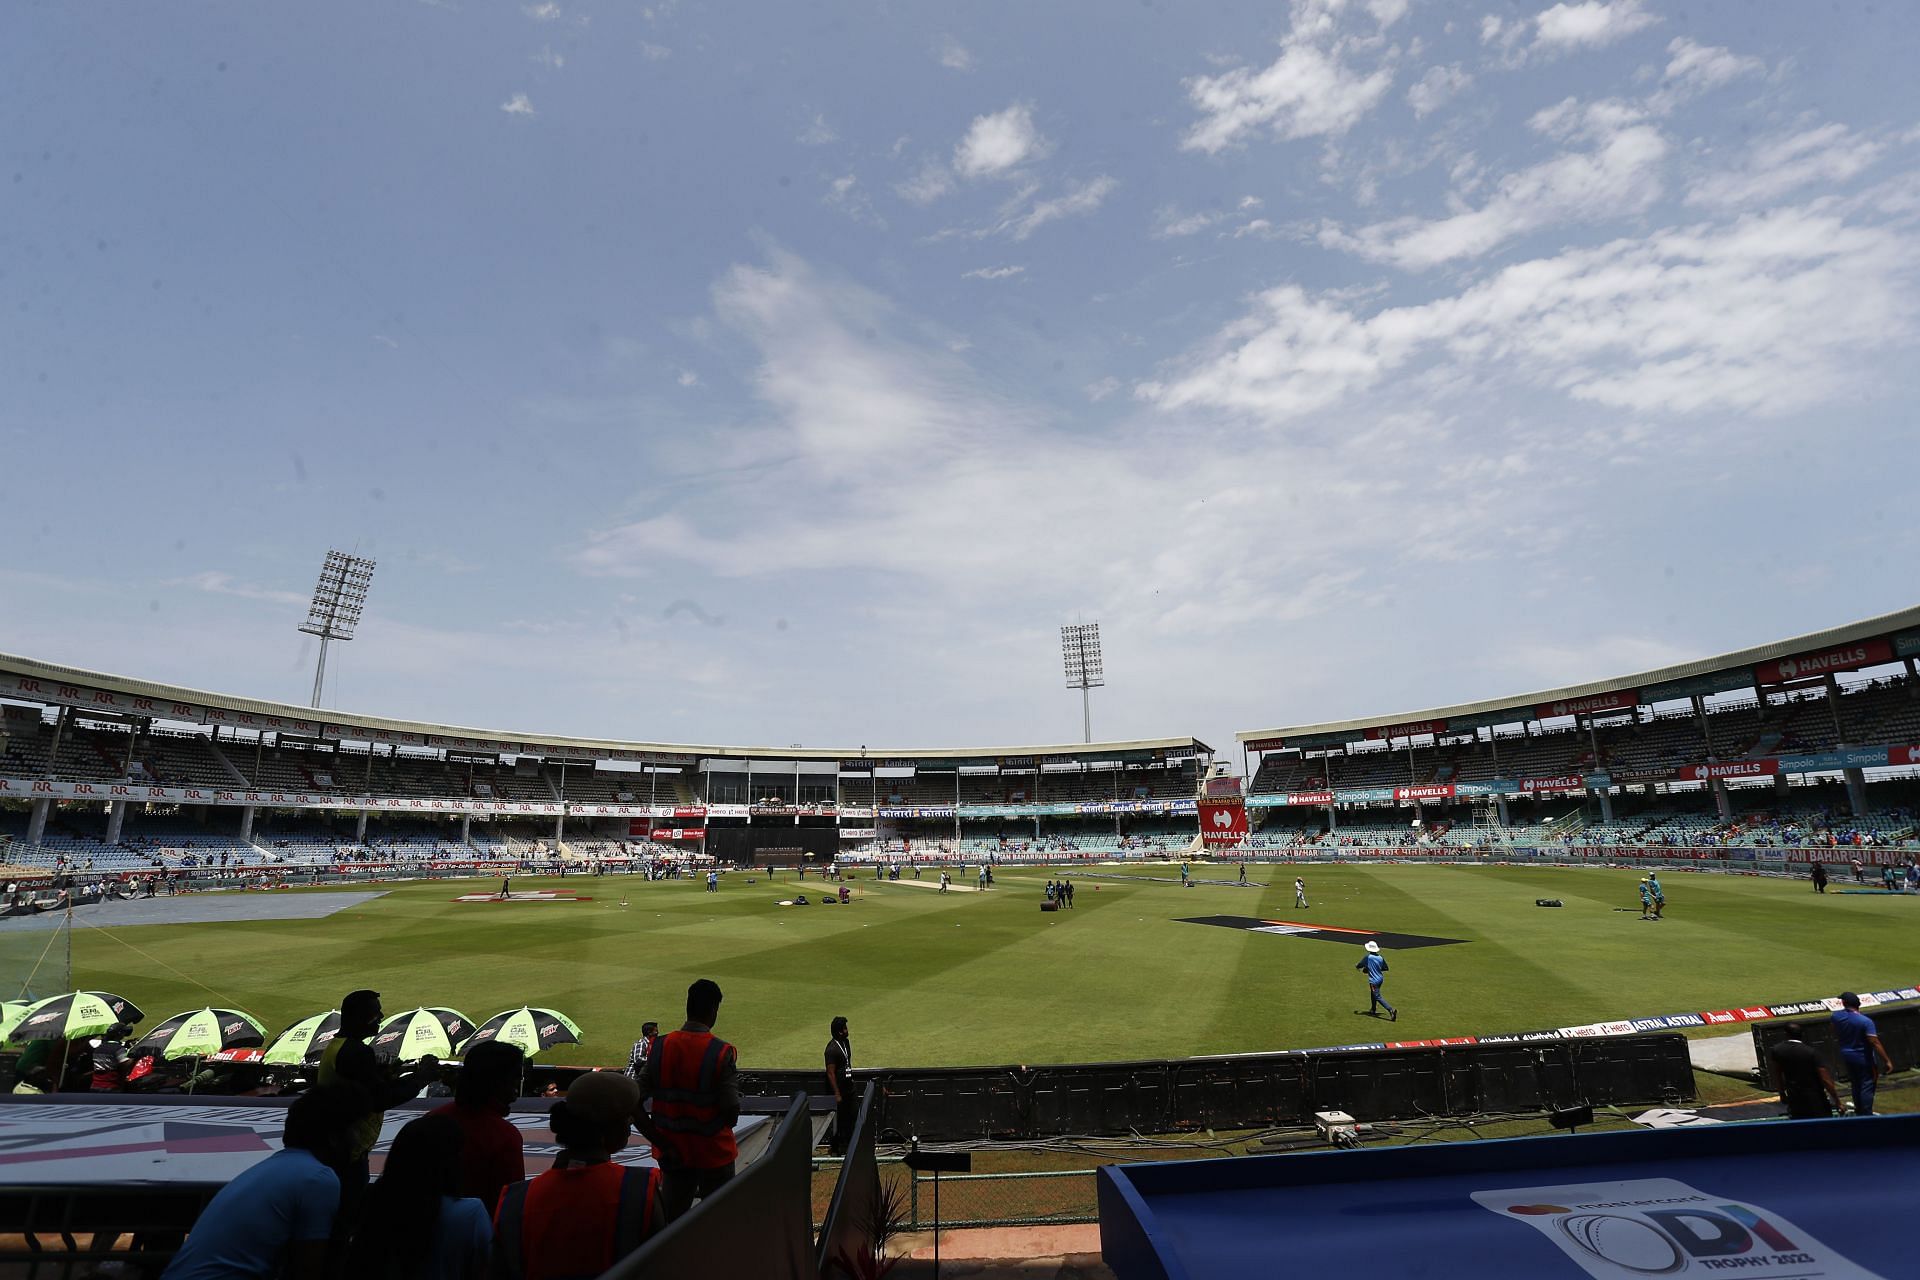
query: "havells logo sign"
1663, 1227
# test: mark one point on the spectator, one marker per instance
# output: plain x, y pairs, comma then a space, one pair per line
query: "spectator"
348, 1063
415, 1223
494, 1153
693, 1081
277, 1217
586, 1213
642, 1050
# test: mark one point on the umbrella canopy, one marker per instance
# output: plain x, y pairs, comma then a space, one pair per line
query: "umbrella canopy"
531, 1029
415, 1033
73, 1016
202, 1033
302, 1042
11, 1012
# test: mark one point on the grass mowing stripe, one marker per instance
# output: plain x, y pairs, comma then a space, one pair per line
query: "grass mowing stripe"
1117, 977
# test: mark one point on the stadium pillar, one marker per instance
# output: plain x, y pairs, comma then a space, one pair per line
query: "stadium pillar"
466, 828
1500, 806
53, 752
1721, 803
1606, 803
246, 825
360, 828
37, 821
1333, 820
116, 818
1857, 792
560, 827
1780, 788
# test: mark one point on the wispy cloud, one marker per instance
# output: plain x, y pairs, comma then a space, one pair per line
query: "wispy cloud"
818, 133
1826, 155
954, 55
991, 273
1620, 173
215, 582
518, 105
1767, 314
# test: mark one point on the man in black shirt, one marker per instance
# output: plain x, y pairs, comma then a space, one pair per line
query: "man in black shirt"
1803, 1081
846, 1103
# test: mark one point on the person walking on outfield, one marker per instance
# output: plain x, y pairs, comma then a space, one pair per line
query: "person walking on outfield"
1243, 873
1374, 965
1659, 894
1186, 874
1859, 1047
1646, 900
1819, 877
693, 1080
1299, 892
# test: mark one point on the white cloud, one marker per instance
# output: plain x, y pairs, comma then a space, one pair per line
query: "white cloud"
688, 378
1173, 224
1100, 390
992, 273
546, 12
1310, 90
550, 60
818, 133
518, 105
1593, 24
1620, 175
654, 52
1763, 315
1565, 28
998, 143
1432, 91
954, 55
1829, 154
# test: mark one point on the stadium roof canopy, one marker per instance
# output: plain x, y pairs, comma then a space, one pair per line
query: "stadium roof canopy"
49, 683
1792, 660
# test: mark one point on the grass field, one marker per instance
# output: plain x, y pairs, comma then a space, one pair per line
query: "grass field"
971, 978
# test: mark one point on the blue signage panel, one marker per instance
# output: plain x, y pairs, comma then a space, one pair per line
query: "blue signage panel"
1803, 1200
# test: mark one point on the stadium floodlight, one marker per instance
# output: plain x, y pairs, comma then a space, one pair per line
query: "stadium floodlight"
1080, 652
337, 601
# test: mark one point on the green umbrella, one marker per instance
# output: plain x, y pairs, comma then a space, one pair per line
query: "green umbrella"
10, 1014
202, 1033
72, 1016
531, 1029
302, 1042
415, 1033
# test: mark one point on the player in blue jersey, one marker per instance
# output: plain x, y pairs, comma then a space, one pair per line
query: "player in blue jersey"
1375, 966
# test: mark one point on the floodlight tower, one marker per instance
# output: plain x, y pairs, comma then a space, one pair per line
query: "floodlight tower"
1080, 651
337, 601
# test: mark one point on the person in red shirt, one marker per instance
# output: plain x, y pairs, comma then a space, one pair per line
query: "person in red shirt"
586, 1213
493, 1156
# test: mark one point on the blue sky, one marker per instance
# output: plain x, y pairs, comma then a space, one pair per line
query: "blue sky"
788, 374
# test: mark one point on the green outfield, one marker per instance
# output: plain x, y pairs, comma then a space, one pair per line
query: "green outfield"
977, 978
